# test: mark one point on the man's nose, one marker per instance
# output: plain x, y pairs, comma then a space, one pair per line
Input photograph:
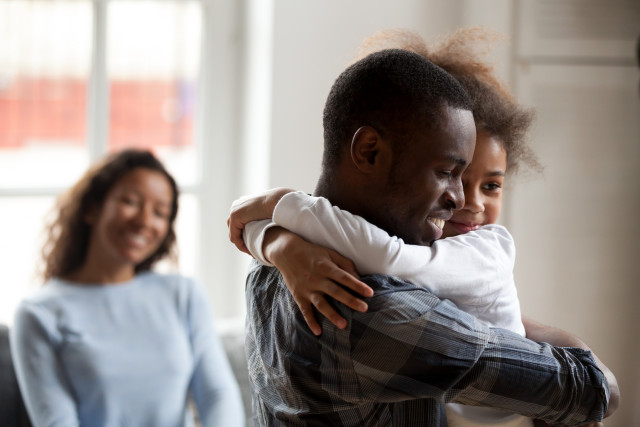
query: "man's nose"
455, 195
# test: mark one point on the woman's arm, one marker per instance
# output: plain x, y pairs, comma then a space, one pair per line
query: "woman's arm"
213, 385
45, 389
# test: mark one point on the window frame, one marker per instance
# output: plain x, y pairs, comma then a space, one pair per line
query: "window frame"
216, 140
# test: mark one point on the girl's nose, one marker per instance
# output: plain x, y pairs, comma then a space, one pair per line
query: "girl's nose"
473, 201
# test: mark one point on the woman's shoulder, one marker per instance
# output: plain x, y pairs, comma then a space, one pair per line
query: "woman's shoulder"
50, 292
166, 281
177, 287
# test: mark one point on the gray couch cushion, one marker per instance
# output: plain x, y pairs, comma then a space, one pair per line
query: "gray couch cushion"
232, 336
12, 411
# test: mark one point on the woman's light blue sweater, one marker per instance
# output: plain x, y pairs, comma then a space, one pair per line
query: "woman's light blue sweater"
126, 354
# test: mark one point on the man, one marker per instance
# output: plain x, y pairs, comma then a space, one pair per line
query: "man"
399, 132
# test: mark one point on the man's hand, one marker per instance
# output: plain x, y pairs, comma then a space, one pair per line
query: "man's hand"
252, 208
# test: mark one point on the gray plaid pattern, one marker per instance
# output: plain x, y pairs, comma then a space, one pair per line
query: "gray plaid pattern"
398, 363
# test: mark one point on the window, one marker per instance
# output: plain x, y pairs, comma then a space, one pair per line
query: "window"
81, 78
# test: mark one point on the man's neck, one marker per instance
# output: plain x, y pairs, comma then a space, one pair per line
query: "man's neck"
339, 194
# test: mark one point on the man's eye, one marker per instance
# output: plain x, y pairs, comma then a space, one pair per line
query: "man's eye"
446, 173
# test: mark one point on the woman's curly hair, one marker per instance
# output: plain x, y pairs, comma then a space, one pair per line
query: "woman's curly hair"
67, 234
463, 54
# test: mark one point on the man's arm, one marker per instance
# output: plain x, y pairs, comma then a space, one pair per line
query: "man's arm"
412, 345
543, 333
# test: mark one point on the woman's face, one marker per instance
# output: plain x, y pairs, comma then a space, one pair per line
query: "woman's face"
134, 219
482, 182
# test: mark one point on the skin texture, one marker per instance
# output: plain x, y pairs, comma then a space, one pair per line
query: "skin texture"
482, 182
129, 227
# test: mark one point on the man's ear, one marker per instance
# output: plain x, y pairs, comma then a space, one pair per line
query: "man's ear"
369, 152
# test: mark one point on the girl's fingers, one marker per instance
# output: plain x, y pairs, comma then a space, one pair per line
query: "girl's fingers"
344, 263
309, 316
346, 275
339, 294
347, 280
321, 304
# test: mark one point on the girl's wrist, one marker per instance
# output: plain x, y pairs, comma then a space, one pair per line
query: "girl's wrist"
274, 197
275, 242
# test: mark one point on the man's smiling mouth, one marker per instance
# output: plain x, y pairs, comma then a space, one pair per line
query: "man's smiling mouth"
437, 221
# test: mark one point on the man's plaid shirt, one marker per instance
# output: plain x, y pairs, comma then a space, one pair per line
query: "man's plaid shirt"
396, 364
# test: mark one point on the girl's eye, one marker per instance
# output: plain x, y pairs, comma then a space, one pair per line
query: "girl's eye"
492, 186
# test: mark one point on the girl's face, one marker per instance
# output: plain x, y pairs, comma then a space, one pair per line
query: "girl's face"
482, 182
133, 221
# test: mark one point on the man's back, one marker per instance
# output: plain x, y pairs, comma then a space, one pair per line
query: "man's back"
300, 379
397, 363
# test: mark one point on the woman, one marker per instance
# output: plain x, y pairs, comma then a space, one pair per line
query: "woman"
106, 341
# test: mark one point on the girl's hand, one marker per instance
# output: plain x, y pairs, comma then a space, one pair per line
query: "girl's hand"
312, 273
252, 208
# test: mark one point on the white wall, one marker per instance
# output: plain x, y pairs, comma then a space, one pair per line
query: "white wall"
313, 42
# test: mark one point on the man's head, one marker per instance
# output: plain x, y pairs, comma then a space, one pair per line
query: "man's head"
398, 134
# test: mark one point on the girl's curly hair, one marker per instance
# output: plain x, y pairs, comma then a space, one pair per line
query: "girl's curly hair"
67, 235
464, 55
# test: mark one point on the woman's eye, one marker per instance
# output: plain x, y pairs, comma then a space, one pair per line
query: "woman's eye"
446, 173
162, 214
128, 200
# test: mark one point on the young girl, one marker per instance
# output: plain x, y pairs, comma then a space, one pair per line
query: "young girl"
106, 341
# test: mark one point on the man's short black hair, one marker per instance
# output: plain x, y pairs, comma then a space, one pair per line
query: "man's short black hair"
394, 91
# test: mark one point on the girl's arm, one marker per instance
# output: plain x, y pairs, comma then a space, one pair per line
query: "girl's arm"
252, 208
311, 272
43, 383
462, 268
479, 260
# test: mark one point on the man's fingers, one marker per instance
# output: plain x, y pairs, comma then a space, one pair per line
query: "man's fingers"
319, 301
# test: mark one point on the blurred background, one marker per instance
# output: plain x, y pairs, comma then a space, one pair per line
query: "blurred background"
230, 93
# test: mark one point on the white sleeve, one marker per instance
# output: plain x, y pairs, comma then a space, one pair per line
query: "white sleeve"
458, 268
253, 236
43, 383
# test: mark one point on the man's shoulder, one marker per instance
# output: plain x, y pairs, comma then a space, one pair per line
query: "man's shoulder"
392, 287
262, 274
